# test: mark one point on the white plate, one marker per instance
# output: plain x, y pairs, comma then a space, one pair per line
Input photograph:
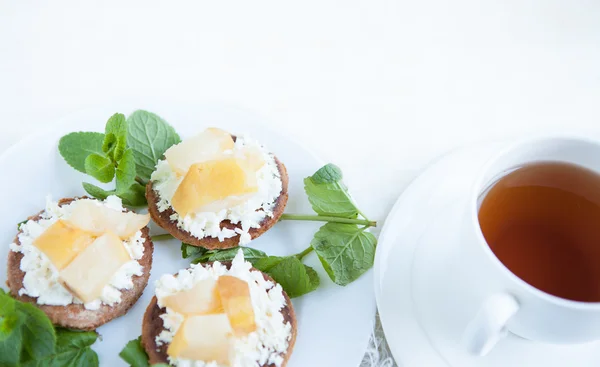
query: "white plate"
334, 322
422, 321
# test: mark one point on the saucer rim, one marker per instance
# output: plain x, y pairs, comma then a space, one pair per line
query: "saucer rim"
416, 339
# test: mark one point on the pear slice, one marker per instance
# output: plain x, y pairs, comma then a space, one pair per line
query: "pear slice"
61, 243
203, 338
98, 219
202, 298
222, 183
251, 160
91, 270
235, 297
208, 145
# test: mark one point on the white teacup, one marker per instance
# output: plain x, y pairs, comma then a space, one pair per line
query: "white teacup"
507, 302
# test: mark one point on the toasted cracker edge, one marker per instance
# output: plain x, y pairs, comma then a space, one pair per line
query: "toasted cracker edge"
76, 316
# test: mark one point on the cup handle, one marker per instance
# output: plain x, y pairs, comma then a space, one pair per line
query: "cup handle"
489, 325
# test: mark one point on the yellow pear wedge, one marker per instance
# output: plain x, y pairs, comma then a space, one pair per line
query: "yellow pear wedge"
61, 243
208, 145
203, 338
99, 219
223, 182
87, 275
202, 298
235, 297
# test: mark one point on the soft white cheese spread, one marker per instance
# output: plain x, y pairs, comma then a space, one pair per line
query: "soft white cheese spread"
41, 276
263, 346
249, 215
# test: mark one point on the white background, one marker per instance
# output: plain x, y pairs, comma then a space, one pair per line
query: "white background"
378, 87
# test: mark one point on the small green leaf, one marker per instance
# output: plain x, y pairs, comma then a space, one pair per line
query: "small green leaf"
11, 336
21, 223
191, 251
108, 145
75, 147
134, 196
160, 365
149, 136
117, 126
97, 192
125, 172
72, 350
329, 173
294, 277
39, 337
99, 167
134, 354
328, 195
267, 263
10, 319
315, 281
250, 255
345, 250
10, 348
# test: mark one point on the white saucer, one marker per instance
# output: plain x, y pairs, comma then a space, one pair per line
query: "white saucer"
421, 320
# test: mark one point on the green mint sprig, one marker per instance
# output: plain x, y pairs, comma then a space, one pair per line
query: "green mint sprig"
344, 247
127, 153
28, 339
134, 354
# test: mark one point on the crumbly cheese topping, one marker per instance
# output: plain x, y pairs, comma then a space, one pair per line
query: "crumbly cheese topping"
263, 346
41, 276
249, 214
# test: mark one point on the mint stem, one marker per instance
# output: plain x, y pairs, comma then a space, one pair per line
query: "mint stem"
161, 237
301, 255
322, 218
140, 181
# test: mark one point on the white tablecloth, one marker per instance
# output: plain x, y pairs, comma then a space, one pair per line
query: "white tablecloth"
380, 87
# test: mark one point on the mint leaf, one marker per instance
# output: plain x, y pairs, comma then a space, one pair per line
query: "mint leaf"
39, 337
267, 263
117, 125
328, 195
72, 350
329, 173
345, 250
126, 171
108, 145
10, 320
75, 147
189, 250
10, 348
134, 354
250, 255
99, 167
295, 278
97, 192
10, 331
116, 136
149, 136
134, 195
131, 192
315, 281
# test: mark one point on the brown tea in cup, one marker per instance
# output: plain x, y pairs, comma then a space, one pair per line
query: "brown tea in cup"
542, 221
